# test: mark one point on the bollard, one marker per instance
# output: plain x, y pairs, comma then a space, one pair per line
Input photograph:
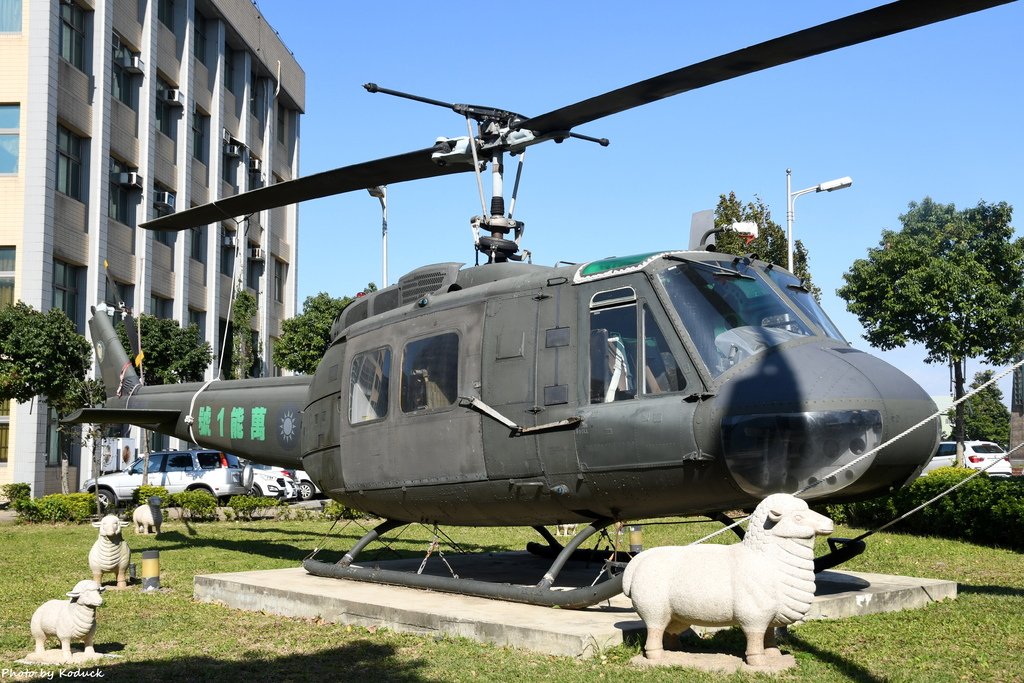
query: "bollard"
636, 538
150, 570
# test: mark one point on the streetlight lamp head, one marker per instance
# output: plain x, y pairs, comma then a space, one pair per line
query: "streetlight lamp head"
376, 191
837, 184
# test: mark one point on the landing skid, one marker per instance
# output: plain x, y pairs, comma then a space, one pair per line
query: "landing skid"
540, 594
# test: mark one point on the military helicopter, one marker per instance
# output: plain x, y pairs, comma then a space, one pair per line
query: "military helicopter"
681, 382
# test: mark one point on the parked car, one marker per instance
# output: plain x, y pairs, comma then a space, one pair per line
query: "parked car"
307, 489
195, 470
977, 455
273, 482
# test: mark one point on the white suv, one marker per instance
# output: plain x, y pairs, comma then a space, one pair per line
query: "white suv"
197, 470
977, 455
275, 482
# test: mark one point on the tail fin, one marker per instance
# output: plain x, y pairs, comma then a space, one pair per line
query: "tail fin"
119, 376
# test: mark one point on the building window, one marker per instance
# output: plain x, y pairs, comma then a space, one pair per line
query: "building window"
200, 136
371, 375
430, 373
123, 84
161, 307
282, 123
197, 243
228, 242
69, 163
165, 13
7, 255
10, 134
253, 270
198, 318
5, 429
72, 34
10, 16
66, 282
229, 69
166, 113
167, 237
119, 208
258, 101
280, 277
199, 37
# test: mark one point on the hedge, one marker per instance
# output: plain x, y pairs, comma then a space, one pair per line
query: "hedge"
144, 493
57, 507
245, 507
984, 510
195, 505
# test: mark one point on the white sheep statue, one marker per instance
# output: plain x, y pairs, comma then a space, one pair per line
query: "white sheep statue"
68, 620
767, 580
110, 552
148, 516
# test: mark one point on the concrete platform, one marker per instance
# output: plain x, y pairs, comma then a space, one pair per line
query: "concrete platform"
578, 633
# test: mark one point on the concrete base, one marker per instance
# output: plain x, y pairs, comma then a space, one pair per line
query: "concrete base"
578, 633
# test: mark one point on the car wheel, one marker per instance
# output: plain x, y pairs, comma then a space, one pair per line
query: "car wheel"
305, 490
256, 491
107, 499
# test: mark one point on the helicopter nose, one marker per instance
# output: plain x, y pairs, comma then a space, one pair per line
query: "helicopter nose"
793, 418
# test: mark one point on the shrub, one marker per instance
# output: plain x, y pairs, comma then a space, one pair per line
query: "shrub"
246, 507
982, 510
335, 510
57, 507
196, 505
15, 492
144, 493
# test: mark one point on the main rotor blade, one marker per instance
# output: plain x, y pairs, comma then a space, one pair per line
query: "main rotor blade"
387, 171
856, 28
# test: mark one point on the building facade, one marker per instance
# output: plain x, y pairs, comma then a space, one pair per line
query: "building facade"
113, 112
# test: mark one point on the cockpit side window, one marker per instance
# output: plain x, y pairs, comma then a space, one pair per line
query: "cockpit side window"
661, 371
369, 383
794, 289
430, 373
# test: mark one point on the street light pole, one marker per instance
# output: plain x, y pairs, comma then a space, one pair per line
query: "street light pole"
381, 193
829, 186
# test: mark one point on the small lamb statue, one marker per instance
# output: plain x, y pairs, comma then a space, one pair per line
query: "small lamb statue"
765, 581
68, 620
110, 552
148, 516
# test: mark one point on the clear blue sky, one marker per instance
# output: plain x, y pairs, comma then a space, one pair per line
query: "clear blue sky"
933, 112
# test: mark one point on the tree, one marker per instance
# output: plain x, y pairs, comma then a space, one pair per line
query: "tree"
986, 418
771, 244
949, 280
245, 346
305, 338
173, 353
41, 354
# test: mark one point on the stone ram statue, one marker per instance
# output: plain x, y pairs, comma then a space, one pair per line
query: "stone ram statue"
148, 516
765, 581
68, 620
110, 552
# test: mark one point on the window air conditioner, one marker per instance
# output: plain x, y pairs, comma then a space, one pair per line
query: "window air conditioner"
173, 97
133, 64
255, 165
256, 254
131, 179
233, 150
230, 241
163, 200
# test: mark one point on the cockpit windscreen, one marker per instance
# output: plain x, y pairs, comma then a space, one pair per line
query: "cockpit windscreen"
729, 311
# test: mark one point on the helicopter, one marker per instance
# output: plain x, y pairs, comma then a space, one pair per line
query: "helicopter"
670, 383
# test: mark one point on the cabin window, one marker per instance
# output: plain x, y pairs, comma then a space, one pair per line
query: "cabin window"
430, 373
179, 461
371, 377
156, 463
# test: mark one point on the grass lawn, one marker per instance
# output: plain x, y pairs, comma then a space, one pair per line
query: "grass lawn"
168, 637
